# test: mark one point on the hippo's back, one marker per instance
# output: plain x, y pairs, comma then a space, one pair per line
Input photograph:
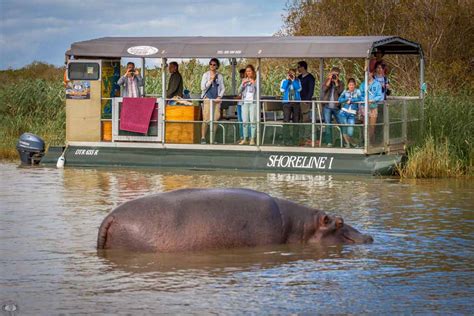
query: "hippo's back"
193, 219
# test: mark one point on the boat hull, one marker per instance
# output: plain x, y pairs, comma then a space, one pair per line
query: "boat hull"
221, 157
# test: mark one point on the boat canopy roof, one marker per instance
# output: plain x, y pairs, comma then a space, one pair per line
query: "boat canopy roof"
246, 47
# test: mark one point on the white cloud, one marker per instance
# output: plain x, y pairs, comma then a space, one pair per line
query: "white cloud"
43, 30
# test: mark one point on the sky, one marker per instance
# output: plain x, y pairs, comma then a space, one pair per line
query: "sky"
42, 30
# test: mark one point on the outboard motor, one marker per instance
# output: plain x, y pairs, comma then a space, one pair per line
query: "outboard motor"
30, 148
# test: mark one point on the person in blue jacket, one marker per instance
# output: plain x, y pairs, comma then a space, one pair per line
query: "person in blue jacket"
375, 96
291, 87
348, 112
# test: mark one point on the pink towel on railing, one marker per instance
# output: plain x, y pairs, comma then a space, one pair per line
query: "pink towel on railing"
136, 114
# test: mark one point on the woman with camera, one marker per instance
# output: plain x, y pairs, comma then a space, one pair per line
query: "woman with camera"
248, 90
291, 87
331, 90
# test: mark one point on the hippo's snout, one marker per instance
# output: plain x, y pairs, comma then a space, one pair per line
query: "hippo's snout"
353, 236
368, 239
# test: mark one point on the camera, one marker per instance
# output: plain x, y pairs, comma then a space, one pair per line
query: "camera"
334, 76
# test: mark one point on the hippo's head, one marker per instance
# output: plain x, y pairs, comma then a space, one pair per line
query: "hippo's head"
331, 230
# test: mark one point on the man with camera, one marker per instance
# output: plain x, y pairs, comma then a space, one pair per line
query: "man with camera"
131, 82
212, 86
331, 90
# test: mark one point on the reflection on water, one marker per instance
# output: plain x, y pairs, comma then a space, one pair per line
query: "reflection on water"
421, 261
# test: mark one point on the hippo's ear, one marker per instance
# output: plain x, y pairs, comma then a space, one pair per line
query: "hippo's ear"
324, 219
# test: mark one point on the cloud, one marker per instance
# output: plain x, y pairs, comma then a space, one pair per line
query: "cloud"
44, 30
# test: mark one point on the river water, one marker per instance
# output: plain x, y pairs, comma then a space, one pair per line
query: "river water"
421, 260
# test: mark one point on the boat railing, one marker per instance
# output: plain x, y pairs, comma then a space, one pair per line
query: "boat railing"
398, 123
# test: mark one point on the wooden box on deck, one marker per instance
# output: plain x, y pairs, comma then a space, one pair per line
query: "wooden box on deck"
182, 133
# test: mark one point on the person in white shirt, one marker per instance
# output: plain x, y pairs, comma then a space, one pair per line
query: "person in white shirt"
212, 87
248, 90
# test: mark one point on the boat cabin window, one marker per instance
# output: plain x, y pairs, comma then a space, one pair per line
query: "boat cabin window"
83, 71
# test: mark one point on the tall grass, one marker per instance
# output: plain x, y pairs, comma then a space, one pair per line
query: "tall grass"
431, 160
35, 106
446, 146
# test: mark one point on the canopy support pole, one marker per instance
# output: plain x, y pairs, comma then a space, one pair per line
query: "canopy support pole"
163, 96
233, 62
366, 106
258, 101
321, 76
422, 92
422, 76
143, 76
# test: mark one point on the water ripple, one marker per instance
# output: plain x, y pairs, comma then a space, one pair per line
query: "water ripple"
421, 261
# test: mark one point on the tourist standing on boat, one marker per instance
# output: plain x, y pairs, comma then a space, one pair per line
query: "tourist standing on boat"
212, 86
239, 109
381, 77
291, 88
331, 90
378, 59
307, 90
375, 95
175, 84
131, 82
248, 90
348, 112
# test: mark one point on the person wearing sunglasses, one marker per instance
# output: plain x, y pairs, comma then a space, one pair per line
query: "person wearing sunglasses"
212, 87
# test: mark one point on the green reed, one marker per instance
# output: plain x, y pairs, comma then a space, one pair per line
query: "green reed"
446, 146
35, 106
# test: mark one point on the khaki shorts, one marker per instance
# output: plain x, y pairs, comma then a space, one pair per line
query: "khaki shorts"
372, 112
305, 112
206, 110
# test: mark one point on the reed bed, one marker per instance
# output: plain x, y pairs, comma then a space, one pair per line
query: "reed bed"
446, 146
431, 160
35, 106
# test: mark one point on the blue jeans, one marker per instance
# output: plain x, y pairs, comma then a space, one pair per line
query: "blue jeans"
249, 115
328, 113
239, 118
345, 118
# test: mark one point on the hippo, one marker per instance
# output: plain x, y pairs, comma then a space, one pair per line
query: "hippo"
203, 219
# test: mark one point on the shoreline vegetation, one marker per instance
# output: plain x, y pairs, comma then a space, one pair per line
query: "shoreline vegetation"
32, 100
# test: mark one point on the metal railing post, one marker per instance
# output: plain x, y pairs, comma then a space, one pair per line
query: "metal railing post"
404, 120
211, 123
258, 103
313, 121
366, 106
163, 95
386, 126
422, 93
